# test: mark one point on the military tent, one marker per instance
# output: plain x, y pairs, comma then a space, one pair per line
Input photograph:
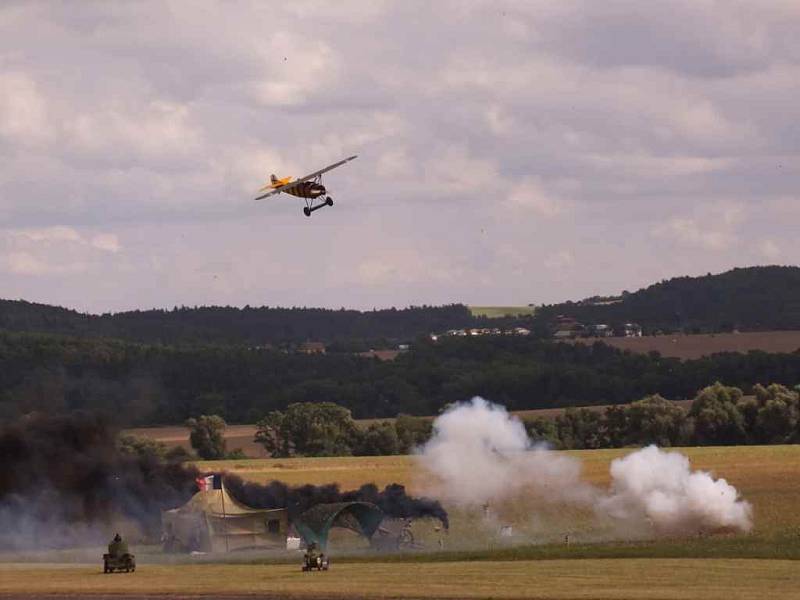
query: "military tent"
213, 521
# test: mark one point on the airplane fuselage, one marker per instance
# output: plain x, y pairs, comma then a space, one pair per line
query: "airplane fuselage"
307, 189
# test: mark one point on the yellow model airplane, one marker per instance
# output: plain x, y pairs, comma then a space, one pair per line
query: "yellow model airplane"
309, 188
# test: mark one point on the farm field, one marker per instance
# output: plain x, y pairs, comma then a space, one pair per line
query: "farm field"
699, 345
767, 476
496, 312
654, 579
236, 436
761, 564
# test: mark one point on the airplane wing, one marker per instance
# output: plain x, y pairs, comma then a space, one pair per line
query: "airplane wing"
296, 182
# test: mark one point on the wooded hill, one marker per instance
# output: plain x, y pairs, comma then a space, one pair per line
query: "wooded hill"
230, 325
749, 299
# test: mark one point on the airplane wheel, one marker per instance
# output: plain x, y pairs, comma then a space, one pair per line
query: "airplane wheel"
329, 201
307, 211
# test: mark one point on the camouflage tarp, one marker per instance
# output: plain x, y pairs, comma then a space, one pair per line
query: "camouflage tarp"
315, 524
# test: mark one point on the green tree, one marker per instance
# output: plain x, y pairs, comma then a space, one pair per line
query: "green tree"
717, 416
542, 430
654, 420
778, 414
412, 431
308, 429
379, 439
134, 445
207, 436
580, 428
273, 435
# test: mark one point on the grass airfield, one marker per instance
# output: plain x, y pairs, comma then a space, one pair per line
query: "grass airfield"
709, 579
474, 562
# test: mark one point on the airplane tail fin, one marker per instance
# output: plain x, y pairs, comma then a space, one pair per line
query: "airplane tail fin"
273, 178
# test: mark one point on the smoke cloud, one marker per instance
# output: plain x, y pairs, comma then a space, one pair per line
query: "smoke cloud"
659, 488
479, 454
392, 500
65, 483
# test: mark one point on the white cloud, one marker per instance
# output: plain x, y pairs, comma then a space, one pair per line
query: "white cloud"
156, 130
22, 263
404, 267
500, 122
57, 250
559, 260
314, 66
531, 195
105, 241
23, 110
769, 250
712, 227
48, 234
689, 231
395, 163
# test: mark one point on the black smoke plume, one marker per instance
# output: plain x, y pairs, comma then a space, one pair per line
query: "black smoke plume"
64, 482
393, 500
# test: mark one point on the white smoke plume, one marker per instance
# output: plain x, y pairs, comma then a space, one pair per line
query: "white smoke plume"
480, 454
657, 487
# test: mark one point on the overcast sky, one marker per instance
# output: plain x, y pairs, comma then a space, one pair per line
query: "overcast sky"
510, 152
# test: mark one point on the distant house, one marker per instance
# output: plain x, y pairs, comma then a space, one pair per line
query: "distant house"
381, 355
568, 328
632, 330
601, 330
311, 348
477, 332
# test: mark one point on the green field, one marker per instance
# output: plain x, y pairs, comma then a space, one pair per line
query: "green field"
496, 312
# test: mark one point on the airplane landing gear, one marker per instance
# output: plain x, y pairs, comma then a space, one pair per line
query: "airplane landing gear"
309, 208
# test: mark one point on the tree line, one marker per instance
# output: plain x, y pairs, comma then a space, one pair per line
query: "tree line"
141, 384
307, 429
719, 415
254, 326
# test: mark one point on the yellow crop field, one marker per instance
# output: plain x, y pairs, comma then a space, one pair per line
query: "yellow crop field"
654, 579
767, 476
